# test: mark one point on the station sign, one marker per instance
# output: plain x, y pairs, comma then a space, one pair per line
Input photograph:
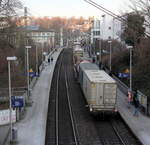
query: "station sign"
126, 70
123, 75
17, 101
5, 116
32, 74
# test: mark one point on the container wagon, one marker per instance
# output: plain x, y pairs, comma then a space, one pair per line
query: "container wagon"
100, 91
85, 65
78, 52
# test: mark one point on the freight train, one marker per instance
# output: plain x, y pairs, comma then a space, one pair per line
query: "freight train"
99, 89
77, 55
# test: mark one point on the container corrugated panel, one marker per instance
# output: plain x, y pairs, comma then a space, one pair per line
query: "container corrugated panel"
87, 89
99, 90
85, 66
110, 93
78, 52
88, 66
99, 76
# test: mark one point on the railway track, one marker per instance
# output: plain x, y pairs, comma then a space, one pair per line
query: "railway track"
64, 132
123, 131
119, 136
75, 125
113, 131
71, 113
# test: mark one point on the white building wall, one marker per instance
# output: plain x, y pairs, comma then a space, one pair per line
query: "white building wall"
42, 37
95, 30
147, 28
110, 28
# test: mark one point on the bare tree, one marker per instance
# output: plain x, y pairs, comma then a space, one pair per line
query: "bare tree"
142, 7
9, 7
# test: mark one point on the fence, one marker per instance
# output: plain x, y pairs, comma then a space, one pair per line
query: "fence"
143, 101
142, 98
20, 91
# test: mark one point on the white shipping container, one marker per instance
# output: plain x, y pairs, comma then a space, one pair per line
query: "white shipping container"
100, 90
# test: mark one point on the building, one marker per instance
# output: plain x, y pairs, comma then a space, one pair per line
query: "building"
41, 35
116, 29
4, 23
147, 26
95, 30
36, 34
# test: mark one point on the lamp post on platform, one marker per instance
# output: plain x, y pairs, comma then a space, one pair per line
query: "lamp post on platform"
9, 59
27, 71
131, 49
110, 53
102, 38
44, 54
37, 61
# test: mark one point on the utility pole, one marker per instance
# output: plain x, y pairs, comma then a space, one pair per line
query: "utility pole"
110, 53
131, 51
103, 27
28, 75
100, 45
131, 68
37, 61
25, 40
25, 15
61, 37
102, 37
9, 59
100, 51
27, 53
113, 27
42, 52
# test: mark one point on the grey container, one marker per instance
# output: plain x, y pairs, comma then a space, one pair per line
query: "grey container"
85, 66
100, 91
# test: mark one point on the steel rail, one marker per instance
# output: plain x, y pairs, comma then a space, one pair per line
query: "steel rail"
120, 138
115, 16
57, 105
71, 112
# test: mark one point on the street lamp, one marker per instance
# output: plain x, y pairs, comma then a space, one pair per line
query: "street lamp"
100, 53
102, 28
110, 52
9, 83
44, 59
44, 54
28, 81
37, 61
131, 49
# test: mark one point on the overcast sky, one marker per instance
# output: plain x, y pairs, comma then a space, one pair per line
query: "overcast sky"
70, 8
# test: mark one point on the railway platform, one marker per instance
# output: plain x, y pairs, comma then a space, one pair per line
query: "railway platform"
31, 130
140, 125
4, 131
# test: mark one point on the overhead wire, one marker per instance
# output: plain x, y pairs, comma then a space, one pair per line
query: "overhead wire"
120, 18
105, 10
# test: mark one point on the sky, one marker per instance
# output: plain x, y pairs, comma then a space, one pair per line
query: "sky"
68, 8
77, 8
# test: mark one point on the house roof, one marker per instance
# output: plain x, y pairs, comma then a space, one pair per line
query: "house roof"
36, 28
